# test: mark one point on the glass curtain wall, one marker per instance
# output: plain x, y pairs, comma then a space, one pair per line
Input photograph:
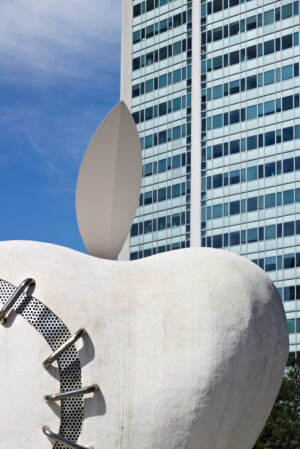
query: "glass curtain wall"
250, 141
161, 107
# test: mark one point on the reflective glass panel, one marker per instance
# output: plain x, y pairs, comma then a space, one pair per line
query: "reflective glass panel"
234, 207
270, 232
288, 229
217, 121
287, 41
217, 180
251, 82
217, 5
270, 138
234, 238
270, 169
218, 150
217, 211
234, 28
251, 143
289, 261
251, 52
217, 92
270, 200
269, 47
288, 197
234, 146
269, 107
252, 235
234, 177
270, 264
251, 173
234, 57
217, 241
269, 77
287, 103
291, 325
251, 23
234, 116
217, 62
251, 204
287, 72
288, 134
234, 87
251, 112
287, 11
269, 17
217, 33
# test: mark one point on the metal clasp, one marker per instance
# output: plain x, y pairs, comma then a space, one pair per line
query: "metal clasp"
27, 284
72, 393
64, 347
63, 440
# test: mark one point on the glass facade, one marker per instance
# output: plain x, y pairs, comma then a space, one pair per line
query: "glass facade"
250, 141
162, 107
249, 133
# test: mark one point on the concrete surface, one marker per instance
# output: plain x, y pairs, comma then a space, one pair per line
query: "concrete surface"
188, 348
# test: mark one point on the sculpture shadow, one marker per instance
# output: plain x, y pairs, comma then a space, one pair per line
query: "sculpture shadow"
54, 372
11, 317
95, 405
87, 352
55, 408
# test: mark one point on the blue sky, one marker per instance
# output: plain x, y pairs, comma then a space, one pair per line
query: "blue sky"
59, 78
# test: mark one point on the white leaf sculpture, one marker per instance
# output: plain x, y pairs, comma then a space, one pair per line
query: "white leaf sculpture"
109, 183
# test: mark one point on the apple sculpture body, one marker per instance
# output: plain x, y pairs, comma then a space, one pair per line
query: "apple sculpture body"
188, 348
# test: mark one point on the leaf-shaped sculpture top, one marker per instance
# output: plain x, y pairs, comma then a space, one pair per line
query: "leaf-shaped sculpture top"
109, 183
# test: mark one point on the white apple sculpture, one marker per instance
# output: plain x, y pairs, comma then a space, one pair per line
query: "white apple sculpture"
188, 348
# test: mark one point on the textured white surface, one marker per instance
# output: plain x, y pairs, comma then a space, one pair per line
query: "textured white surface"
109, 183
188, 347
23, 383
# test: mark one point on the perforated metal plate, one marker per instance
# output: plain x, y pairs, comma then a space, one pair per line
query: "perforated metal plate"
55, 333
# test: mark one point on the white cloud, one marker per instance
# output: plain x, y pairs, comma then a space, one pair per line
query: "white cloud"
43, 39
55, 143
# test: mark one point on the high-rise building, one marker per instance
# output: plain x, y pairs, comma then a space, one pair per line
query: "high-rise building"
214, 89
